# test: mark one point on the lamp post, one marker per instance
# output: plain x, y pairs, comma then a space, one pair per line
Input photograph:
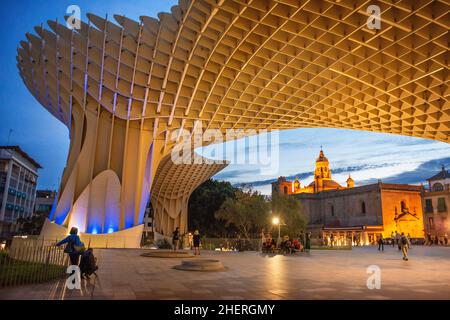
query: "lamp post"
276, 221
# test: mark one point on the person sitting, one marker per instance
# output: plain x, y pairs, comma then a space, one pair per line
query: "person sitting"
267, 245
286, 245
273, 245
296, 246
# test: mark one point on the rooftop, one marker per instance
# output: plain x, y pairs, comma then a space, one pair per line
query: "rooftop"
444, 174
23, 154
360, 189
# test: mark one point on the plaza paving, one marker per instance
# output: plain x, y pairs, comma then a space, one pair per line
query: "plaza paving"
322, 274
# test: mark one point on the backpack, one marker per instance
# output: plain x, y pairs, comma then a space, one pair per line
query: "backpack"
404, 241
72, 248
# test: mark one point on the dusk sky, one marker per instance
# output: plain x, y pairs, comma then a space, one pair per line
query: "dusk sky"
367, 156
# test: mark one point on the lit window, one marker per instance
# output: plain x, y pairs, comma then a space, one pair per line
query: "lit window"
441, 205
403, 206
428, 206
438, 187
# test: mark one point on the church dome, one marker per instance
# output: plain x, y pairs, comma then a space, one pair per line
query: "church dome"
328, 184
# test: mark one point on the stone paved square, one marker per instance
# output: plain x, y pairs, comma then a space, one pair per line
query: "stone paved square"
322, 274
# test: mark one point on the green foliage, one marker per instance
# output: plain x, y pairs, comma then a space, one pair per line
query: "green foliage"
163, 244
204, 202
290, 212
33, 225
146, 240
248, 211
16, 272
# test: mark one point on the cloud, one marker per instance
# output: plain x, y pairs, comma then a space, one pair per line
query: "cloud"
231, 174
417, 176
303, 175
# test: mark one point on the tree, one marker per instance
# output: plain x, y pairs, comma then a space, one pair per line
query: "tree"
204, 202
290, 212
32, 225
248, 211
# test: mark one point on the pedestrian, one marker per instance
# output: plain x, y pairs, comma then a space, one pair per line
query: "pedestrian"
404, 243
357, 239
263, 238
74, 246
332, 239
190, 240
436, 240
302, 240
196, 241
392, 239
445, 239
308, 242
409, 241
397, 240
380, 243
429, 240
176, 238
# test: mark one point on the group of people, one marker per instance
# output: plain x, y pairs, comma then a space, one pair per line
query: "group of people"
402, 241
193, 240
302, 243
436, 240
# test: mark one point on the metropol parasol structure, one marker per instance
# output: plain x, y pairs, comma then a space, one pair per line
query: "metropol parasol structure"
122, 87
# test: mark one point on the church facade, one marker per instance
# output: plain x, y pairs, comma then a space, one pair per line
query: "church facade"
356, 214
436, 205
322, 180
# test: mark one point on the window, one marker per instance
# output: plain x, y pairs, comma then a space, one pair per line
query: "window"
441, 205
403, 206
44, 208
431, 222
332, 210
428, 206
363, 207
438, 187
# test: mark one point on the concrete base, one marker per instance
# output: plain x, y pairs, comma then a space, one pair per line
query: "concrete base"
129, 238
167, 254
201, 265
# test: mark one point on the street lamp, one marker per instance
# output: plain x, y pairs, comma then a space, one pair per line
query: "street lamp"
276, 221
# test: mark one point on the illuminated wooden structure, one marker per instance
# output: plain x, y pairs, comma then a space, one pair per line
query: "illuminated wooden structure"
123, 87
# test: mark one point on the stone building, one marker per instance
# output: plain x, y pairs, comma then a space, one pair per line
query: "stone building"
435, 204
357, 214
